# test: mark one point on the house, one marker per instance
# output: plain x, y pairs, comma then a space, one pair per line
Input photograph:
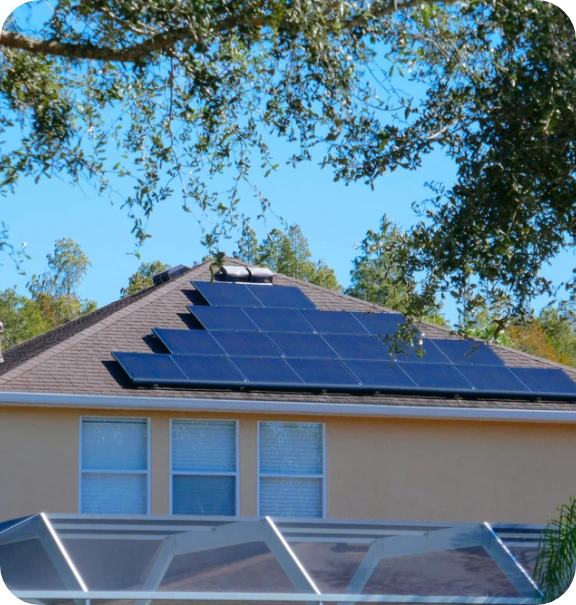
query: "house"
87, 426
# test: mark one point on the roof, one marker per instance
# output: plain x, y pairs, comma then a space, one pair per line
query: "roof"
76, 358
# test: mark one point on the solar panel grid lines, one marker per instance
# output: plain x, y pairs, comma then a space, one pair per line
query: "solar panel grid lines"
556, 380
333, 322
223, 318
189, 342
468, 352
247, 344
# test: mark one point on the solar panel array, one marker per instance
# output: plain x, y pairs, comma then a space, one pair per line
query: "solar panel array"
264, 336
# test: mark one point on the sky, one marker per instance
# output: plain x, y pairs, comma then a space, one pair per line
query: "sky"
334, 217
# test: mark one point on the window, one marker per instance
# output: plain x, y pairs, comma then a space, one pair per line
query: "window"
204, 467
292, 469
114, 465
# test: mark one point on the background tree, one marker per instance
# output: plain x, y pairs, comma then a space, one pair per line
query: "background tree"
52, 299
379, 274
143, 277
285, 252
165, 96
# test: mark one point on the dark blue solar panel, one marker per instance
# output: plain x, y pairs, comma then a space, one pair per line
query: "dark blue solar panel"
281, 297
546, 380
189, 342
427, 352
323, 372
226, 295
334, 322
436, 376
352, 346
246, 344
303, 345
469, 352
381, 324
492, 378
267, 370
209, 370
381, 374
278, 320
223, 318
148, 368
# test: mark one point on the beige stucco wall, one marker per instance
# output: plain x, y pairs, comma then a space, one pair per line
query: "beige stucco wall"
376, 468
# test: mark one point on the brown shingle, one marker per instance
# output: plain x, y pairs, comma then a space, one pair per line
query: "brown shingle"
76, 358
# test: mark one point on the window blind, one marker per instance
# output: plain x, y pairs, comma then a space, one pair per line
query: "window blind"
204, 467
114, 466
291, 469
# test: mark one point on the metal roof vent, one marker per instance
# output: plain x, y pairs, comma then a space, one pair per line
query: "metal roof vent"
261, 274
169, 274
234, 273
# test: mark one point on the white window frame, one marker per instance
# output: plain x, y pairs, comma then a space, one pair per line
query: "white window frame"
300, 476
235, 474
118, 472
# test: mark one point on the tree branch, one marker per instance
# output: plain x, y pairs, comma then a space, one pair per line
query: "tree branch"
161, 41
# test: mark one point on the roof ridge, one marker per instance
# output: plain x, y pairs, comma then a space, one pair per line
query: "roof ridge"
144, 297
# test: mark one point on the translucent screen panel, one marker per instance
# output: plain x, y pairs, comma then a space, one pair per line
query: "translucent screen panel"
247, 344
380, 374
282, 297
266, 370
436, 376
303, 345
323, 372
492, 378
545, 380
246, 567
334, 322
226, 295
147, 368
189, 342
223, 318
469, 352
278, 320
353, 346
211, 370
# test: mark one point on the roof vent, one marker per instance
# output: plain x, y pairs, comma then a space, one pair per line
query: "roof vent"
169, 274
261, 274
234, 273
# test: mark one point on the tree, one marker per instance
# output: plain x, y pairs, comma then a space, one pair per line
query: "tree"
53, 296
379, 274
164, 96
286, 252
556, 560
143, 277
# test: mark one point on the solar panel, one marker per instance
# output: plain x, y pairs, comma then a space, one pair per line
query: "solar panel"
149, 368
353, 346
281, 297
226, 295
189, 342
469, 352
334, 322
209, 370
266, 370
381, 374
223, 318
492, 378
278, 320
427, 352
545, 380
323, 372
381, 324
246, 344
303, 345
436, 376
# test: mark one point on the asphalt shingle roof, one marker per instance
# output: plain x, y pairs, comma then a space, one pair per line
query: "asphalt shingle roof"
76, 357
